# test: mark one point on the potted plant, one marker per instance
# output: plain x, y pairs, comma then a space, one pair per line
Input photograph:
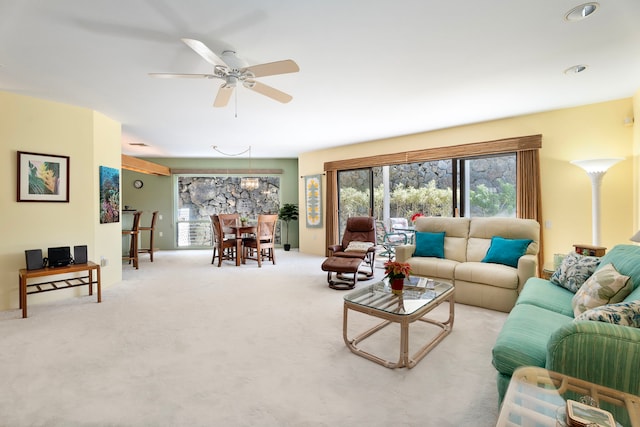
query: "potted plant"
396, 272
244, 220
288, 212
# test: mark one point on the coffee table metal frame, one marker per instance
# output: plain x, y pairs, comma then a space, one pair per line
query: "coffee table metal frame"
377, 300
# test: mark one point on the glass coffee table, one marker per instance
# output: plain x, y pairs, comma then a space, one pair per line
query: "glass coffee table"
412, 305
537, 397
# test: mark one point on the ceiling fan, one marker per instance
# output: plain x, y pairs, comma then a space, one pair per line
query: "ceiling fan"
230, 68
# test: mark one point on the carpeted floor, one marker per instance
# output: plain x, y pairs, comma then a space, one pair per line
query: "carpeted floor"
183, 343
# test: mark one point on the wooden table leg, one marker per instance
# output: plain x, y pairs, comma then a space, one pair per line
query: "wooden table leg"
23, 296
238, 250
90, 282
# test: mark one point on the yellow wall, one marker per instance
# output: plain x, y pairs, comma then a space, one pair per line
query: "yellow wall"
584, 132
636, 162
90, 140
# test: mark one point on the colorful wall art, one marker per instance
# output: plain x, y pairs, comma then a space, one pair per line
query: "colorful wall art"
109, 195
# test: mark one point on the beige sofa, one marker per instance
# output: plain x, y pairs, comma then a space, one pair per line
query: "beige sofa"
466, 242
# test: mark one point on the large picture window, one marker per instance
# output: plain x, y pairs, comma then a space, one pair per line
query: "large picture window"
199, 197
492, 178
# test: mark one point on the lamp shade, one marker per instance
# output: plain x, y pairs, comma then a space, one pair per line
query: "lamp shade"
597, 165
596, 169
635, 237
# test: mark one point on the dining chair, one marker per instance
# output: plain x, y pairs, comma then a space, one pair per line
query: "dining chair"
223, 247
151, 229
262, 244
133, 236
229, 219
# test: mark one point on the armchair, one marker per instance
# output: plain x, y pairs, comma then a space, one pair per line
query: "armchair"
358, 242
389, 239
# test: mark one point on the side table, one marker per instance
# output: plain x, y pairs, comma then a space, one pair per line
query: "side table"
52, 285
535, 394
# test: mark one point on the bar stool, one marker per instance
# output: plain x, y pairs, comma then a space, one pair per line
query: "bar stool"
151, 229
133, 245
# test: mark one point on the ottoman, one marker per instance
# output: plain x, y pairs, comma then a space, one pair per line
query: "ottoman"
340, 266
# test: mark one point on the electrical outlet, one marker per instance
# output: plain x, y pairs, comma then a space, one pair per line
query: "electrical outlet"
160, 234
160, 217
104, 261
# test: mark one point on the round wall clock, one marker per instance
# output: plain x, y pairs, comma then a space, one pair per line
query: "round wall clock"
137, 183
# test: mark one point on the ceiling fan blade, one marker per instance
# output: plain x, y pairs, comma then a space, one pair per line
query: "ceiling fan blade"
273, 68
206, 53
186, 76
223, 96
269, 91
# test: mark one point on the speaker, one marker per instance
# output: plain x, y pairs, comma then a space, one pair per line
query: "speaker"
60, 256
34, 259
80, 254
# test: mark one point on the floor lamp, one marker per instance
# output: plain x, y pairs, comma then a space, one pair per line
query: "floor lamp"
596, 168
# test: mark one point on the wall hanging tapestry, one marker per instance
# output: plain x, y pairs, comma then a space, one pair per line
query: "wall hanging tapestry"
313, 197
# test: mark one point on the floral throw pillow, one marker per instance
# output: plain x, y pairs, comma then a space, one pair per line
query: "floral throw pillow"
574, 271
622, 313
605, 286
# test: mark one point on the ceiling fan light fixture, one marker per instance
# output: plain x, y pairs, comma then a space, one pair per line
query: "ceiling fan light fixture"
581, 12
576, 69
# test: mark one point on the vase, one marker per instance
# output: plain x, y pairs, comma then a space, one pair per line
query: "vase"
397, 285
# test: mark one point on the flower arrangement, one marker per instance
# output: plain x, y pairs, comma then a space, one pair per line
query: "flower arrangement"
397, 270
244, 220
416, 216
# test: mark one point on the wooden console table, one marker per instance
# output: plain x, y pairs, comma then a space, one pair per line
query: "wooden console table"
54, 285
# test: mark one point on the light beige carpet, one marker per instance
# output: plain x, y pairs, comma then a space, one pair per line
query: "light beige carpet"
183, 343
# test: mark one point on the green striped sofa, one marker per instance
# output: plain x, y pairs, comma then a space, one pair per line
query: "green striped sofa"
540, 331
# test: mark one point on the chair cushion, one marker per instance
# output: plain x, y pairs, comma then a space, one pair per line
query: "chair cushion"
544, 294
605, 286
524, 336
506, 251
574, 271
500, 276
358, 246
429, 244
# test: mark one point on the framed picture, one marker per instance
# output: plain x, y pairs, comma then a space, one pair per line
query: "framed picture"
43, 177
109, 195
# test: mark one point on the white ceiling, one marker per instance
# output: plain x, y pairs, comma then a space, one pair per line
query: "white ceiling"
368, 69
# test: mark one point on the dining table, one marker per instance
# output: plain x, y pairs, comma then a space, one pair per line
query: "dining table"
239, 230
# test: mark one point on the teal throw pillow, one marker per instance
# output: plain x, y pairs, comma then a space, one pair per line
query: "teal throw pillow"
429, 244
506, 251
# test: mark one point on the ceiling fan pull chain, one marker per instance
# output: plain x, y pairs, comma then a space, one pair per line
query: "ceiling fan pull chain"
235, 94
